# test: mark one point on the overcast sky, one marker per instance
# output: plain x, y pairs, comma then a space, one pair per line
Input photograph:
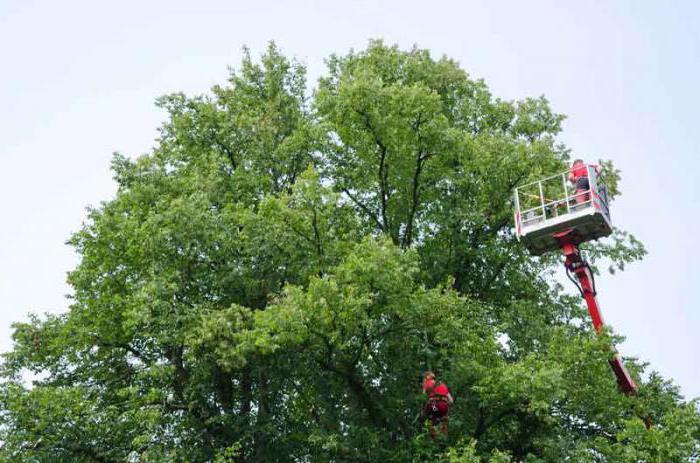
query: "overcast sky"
78, 82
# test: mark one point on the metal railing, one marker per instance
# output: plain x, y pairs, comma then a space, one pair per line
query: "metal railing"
554, 196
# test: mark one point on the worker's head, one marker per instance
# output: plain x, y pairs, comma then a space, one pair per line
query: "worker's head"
429, 375
577, 162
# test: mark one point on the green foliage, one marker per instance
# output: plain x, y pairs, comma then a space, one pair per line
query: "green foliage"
270, 282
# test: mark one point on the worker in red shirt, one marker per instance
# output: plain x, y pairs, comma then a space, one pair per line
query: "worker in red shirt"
578, 176
438, 405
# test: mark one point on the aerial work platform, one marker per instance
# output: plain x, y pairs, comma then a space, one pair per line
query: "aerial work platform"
559, 213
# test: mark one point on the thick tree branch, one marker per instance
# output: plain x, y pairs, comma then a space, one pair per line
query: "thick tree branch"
364, 209
415, 199
383, 175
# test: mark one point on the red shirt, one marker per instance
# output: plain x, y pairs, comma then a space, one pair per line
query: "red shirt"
579, 170
431, 389
441, 389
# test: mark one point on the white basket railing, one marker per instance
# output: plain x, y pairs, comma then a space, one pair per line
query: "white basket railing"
540, 207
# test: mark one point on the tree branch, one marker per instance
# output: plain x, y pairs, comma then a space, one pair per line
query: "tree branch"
364, 208
383, 174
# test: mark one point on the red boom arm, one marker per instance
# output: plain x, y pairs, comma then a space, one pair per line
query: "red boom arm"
576, 265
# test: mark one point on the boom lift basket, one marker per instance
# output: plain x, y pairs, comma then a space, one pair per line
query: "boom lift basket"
550, 206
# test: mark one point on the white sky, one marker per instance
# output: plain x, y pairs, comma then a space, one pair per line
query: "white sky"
78, 81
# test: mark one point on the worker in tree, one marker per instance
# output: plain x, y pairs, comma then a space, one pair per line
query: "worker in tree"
578, 176
438, 405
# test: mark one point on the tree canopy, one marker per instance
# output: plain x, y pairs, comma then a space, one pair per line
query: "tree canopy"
270, 282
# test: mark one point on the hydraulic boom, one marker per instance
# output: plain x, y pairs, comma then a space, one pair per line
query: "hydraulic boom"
576, 265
